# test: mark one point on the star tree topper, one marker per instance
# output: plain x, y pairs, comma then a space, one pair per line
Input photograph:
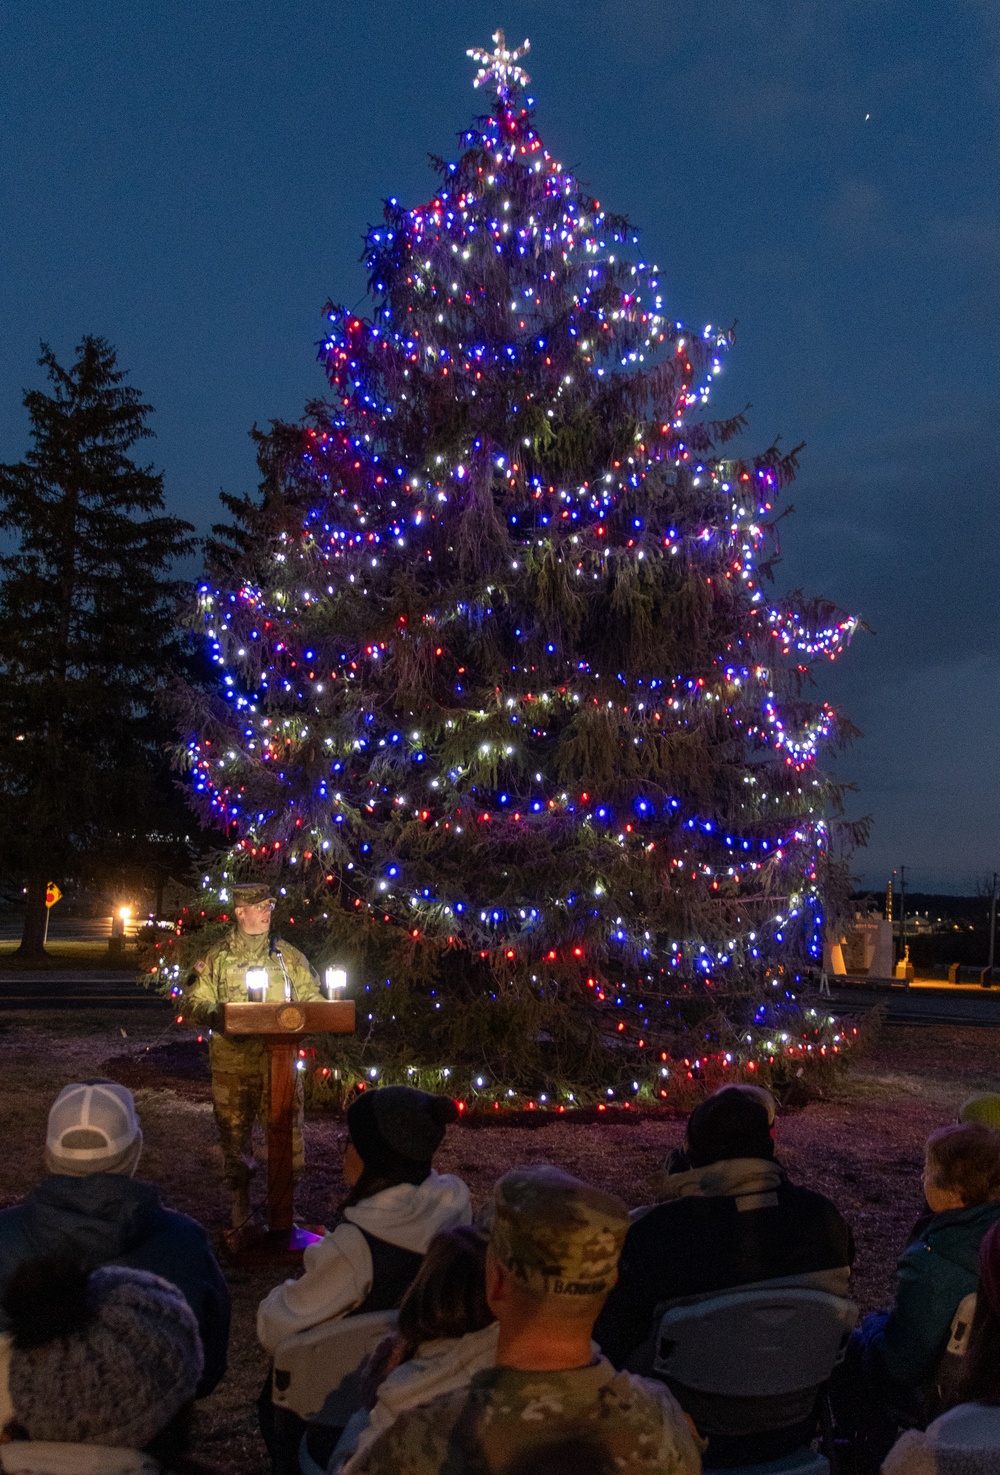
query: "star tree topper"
500, 65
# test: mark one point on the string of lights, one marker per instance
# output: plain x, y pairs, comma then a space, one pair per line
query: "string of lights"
499, 675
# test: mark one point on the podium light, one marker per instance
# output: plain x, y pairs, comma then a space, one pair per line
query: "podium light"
256, 980
334, 981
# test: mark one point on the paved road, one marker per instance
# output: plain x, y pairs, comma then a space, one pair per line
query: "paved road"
95, 990
924, 1005
71, 929
77, 990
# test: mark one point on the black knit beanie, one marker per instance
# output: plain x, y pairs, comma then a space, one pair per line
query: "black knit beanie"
397, 1130
732, 1123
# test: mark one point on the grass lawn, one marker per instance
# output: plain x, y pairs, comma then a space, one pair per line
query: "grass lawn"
862, 1145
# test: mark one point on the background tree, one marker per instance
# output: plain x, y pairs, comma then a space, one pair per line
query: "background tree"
87, 636
503, 704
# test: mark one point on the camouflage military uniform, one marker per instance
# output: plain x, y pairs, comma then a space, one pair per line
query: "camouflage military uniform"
508, 1415
561, 1239
240, 1067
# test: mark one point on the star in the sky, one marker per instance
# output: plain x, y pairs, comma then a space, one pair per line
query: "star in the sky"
500, 66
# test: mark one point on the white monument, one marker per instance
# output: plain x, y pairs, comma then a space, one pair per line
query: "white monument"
860, 948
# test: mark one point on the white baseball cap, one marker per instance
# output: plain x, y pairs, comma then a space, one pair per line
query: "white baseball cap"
93, 1128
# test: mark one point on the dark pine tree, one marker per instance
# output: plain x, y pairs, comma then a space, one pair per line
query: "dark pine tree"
503, 703
88, 637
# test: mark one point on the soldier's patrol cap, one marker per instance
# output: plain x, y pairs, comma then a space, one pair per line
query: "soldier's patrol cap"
251, 894
559, 1236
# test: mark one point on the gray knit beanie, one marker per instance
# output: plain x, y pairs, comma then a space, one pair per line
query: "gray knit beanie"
115, 1373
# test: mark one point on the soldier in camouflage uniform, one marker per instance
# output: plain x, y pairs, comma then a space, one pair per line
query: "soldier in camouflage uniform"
552, 1259
240, 1067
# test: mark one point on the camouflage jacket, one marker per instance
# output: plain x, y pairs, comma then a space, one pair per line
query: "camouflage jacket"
507, 1415
221, 978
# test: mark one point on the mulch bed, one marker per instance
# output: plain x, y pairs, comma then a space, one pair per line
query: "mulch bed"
181, 1066
862, 1145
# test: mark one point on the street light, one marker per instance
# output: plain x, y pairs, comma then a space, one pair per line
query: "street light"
119, 918
987, 977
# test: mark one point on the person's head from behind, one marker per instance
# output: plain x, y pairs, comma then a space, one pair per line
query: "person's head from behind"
734, 1123
983, 1107
112, 1357
552, 1259
393, 1135
980, 1376
93, 1127
448, 1296
962, 1167
756, 1093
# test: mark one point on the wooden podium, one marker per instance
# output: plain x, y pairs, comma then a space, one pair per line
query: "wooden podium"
282, 1026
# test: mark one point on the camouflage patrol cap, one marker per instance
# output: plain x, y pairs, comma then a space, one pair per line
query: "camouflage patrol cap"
559, 1236
251, 894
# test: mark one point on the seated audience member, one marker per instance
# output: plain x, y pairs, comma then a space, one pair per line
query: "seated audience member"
732, 1219
551, 1260
396, 1205
984, 1108
893, 1356
90, 1210
966, 1437
446, 1332
97, 1372
677, 1158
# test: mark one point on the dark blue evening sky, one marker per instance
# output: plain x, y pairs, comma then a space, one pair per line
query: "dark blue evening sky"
193, 180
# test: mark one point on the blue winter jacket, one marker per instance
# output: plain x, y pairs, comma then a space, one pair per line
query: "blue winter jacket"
106, 1219
935, 1271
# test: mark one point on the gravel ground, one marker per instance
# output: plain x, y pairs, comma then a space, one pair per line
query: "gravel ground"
861, 1145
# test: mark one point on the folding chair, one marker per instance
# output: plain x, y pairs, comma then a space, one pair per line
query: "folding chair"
755, 1365
311, 1365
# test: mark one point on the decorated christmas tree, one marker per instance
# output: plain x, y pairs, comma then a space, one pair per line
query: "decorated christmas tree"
505, 707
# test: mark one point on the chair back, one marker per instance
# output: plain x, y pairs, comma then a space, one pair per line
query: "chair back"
802, 1461
948, 1377
756, 1343
310, 1365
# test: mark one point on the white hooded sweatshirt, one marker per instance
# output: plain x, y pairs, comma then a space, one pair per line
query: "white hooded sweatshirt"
337, 1274
443, 1366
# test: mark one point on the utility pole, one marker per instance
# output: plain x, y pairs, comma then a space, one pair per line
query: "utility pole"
993, 928
902, 911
